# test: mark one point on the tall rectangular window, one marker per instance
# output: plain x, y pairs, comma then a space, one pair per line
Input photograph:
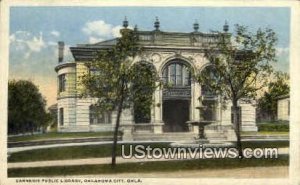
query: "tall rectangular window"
61, 116
97, 117
172, 70
178, 75
165, 75
186, 76
62, 83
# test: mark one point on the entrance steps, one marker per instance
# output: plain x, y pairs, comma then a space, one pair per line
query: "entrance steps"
177, 136
167, 136
215, 135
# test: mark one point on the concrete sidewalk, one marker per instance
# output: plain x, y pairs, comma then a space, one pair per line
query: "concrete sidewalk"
25, 148
105, 160
236, 173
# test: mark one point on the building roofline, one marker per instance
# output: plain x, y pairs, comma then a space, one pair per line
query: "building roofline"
64, 64
152, 40
109, 42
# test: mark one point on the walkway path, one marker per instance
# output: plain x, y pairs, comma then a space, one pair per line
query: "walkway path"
25, 148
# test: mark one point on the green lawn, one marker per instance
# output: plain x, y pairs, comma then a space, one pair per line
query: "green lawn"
92, 151
57, 135
273, 122
265, 133
160, 166
265, 144
275, 126
71, 152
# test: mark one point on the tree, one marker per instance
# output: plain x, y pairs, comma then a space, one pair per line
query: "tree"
241, 65
53, 116
26, 107
142, 88
112, 77
267, 104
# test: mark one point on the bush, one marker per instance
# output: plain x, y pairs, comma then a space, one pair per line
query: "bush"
275, 126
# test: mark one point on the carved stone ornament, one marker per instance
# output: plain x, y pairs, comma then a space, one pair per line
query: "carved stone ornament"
156, 57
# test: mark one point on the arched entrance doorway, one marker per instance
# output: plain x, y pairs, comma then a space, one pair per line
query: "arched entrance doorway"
176, 95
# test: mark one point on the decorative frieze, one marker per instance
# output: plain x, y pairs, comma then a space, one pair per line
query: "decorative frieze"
177, 93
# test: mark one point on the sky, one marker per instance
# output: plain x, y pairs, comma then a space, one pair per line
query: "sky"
35, 31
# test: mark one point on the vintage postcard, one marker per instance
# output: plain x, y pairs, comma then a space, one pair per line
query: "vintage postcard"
150, 92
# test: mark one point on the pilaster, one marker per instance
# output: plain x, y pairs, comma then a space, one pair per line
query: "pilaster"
196, 93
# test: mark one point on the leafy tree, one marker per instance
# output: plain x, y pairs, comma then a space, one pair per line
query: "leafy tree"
143, 85
26, 107
113, 80
53, 116
267, 104
241, 65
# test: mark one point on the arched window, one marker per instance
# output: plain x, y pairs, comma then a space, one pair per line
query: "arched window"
177, 74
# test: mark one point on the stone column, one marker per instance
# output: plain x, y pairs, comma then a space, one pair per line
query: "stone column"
196, 89
218, 111
194, 113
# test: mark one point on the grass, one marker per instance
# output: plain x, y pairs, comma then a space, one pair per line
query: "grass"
72, 152
273, 122
275, 126
265, 133
57, 135
265, 144
94, 151
159, 166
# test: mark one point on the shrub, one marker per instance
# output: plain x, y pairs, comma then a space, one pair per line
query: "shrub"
275, 126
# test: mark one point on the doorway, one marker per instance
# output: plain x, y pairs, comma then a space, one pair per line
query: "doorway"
175, 115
